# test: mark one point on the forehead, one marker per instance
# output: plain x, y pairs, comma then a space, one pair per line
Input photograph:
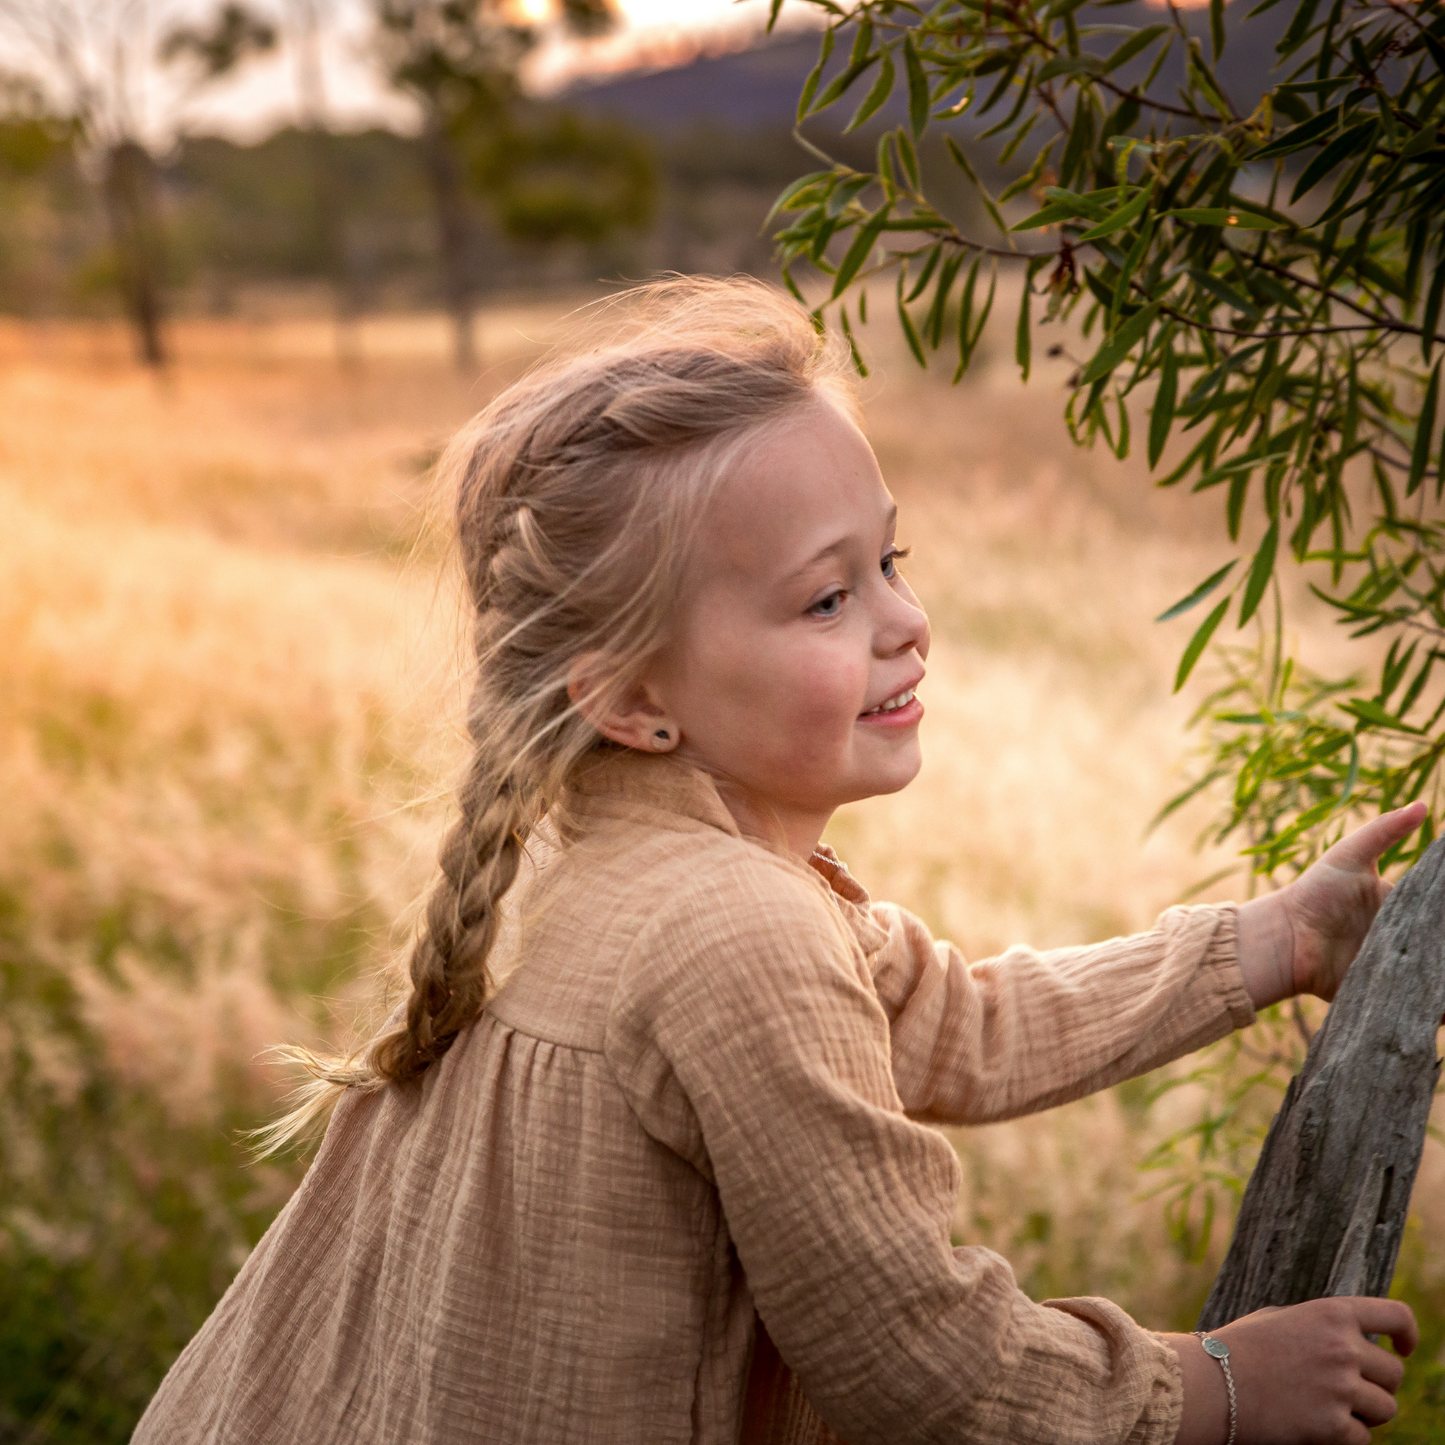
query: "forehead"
802, 484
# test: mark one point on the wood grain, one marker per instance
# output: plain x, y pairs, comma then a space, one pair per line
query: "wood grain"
1325, 1208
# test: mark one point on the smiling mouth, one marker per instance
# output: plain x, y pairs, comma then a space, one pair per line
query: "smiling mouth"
891, 704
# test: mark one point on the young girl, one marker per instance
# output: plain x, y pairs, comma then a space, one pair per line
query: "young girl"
644, 1158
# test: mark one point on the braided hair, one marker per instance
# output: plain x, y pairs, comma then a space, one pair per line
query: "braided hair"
578, 492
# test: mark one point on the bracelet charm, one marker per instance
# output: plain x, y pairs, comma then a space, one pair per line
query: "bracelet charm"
1216, 1349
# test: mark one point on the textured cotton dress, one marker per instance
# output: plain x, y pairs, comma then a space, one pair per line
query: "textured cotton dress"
677, 1183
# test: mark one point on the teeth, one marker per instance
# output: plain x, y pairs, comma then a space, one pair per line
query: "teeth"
892, 705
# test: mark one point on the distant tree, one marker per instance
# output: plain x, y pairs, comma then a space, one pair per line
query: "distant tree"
97, 58
236, 35
547, 179
31, 133
458, 61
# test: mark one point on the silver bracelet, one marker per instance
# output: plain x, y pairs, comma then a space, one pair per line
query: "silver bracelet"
1218, 1350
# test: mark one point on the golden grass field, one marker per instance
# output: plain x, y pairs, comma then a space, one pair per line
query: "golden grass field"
229, 689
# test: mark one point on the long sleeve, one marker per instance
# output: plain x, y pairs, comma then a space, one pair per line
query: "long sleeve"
972, 1043
747, 1035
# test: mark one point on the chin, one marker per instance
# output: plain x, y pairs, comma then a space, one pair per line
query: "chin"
890, 780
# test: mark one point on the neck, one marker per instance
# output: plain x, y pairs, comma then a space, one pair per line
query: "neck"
758, 817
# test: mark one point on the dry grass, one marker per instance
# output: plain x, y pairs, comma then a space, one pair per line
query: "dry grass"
229, 680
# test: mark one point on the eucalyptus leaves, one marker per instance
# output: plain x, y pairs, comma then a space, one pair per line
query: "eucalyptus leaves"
1262, 292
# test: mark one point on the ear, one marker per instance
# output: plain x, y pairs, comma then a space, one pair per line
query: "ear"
636, 719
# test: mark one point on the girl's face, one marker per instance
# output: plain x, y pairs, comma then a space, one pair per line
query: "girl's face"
794, 670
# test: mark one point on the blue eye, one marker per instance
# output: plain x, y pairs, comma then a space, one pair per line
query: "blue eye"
828, 606
890, 558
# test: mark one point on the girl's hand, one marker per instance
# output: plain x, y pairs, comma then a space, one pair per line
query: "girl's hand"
1303, 938
1306, 1375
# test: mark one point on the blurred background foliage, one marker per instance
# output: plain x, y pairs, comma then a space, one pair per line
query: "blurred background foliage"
220, 698
494, 190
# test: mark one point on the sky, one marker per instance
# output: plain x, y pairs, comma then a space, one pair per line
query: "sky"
267, 91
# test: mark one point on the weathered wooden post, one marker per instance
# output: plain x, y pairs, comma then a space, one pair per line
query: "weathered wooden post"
1325, 1208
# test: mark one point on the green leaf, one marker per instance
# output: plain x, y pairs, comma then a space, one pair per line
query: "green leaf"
933, 324
1209, 584
1198, 643
1063, 206
1080, 143
1367, 710
1424, 432
968, 341
1126, 215
1260, 573
1423, 140
1071, 65
1116, 347
1299, 136
1356, 138
1352, 776
1430, 316
859, 365
917, 88
881, 89
1222, 216
1299, 28
935, 254
1226, 293
1216, 27
844, 192
801, 184
910, 333
842, 83
1030, 178
908, 156
862, 40
863, 242
1023, 336
1051, 215
1313, 87
1234, 504
1139, 41
810, 85
1204, 78
1162, 416
963, 163
1092, 205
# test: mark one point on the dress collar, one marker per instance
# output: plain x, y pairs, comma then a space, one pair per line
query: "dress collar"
621, 782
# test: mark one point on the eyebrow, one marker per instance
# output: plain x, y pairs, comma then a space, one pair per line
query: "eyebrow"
835, 547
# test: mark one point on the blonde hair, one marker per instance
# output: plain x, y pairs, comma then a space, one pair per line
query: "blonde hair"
579, 491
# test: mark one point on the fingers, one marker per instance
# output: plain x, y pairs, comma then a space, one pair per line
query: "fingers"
1354, 1432
1388, 1317
1381, 1368
1361, 848
1373, 1405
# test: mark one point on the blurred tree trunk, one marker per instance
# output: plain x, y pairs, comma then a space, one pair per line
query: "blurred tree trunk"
1325, 1208
330, 219
132, 205
453, 221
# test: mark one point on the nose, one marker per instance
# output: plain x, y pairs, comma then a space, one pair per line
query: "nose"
902, 624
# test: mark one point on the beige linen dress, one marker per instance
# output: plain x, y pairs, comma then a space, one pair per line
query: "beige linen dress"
698, 1103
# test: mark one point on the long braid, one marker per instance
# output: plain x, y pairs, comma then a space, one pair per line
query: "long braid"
579, 491
480, 857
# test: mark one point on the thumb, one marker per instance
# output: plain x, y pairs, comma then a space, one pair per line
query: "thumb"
1363, 847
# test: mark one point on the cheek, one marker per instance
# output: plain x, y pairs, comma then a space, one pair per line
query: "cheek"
822, 691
